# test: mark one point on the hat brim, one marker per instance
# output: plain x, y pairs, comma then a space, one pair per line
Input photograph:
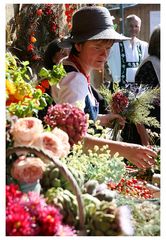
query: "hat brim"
105, 34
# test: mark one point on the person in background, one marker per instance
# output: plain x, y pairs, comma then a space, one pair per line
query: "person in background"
126, 56
124, 60
54, 54
148, 74
92, 36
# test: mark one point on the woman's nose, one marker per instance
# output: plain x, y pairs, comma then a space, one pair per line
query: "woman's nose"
105, 52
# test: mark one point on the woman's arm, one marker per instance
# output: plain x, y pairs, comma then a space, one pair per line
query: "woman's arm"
140, 156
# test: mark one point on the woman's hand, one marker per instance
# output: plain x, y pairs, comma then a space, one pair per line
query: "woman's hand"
107, 120
141, 156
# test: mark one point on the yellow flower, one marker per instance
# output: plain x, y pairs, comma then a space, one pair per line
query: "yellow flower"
10, 87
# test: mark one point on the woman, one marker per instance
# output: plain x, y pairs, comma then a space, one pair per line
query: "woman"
54, 54
91, 38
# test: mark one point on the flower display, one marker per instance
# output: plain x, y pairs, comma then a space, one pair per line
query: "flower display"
23, 98
27, 169
70, 119
28, 214
29, 131
54, 186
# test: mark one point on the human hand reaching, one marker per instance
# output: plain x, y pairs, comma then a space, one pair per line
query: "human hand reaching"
141, 156
109, 119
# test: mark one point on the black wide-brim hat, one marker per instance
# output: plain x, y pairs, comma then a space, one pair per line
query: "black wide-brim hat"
92, 23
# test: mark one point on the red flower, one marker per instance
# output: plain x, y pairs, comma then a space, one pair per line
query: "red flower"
67, 5
41, 88
69, 119
39, 12
48, 11
12, 193
119, 102
30, 47
18, 221
45, 83
53, 27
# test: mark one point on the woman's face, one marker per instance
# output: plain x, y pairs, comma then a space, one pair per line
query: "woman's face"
94, 53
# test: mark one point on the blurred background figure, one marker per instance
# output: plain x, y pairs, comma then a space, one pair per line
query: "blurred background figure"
54, 54
148, 74
126, 56
149, 71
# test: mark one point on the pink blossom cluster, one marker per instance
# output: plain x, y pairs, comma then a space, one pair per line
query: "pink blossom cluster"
29, 131
70, 119
119, 102
28, 214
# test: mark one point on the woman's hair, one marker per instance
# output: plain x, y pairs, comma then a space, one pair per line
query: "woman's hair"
73, 50
154, 43
51, 50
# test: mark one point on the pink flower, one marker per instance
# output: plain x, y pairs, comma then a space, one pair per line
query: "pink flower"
50, 144
119, 102
49, 219
18, 221
64, 139
12, 193
65, 230
25, 130
70, 119
28, 214
27, 169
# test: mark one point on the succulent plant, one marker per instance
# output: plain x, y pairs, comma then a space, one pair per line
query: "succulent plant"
66, 202
53, 178
106, 219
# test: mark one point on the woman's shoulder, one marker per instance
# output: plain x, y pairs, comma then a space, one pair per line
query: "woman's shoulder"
74, 79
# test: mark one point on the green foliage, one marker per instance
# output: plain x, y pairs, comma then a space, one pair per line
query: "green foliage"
15, 69
30, 107
54, 75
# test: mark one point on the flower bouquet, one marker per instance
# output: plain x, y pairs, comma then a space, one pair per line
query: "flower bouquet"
133, 104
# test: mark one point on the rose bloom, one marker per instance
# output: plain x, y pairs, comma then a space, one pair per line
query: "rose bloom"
50, 144
63, 136
27, 169
25, 130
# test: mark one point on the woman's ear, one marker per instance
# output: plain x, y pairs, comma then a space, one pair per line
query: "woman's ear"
78, 47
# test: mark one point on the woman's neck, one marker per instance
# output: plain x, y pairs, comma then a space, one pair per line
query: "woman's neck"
80, 64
